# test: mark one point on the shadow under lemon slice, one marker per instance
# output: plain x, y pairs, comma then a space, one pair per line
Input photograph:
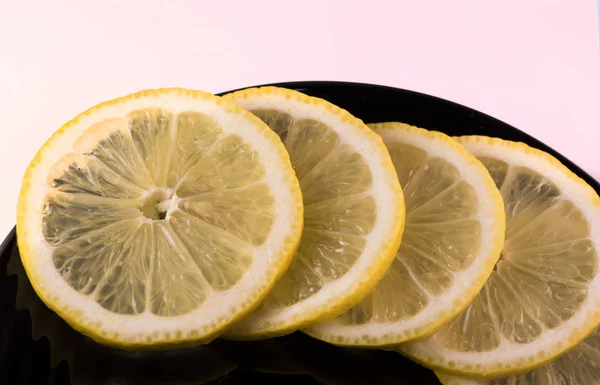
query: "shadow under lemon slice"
297, 354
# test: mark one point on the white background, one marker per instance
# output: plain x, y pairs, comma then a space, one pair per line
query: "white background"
534, 64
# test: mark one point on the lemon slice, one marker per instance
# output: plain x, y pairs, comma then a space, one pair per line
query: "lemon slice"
580, 366
453, 237
158, 218
353, 211
544, 294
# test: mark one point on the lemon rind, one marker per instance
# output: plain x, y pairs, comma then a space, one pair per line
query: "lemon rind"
259, 327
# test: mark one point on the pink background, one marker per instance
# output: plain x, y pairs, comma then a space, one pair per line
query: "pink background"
532, 63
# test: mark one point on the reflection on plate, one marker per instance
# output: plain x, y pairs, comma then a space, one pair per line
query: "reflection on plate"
295, 358
90, 363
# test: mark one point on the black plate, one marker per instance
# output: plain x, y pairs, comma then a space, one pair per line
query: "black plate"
37, 347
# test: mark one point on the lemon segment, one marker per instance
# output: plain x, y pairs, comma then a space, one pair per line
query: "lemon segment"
354, 211
153, 220
542, 297
453, 236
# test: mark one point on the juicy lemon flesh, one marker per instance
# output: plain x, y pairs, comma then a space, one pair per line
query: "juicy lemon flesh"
543, 272
338, 208
155, 212
580, 366
440, 238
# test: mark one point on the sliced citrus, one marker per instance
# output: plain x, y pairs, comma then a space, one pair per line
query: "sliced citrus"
544, 294
453, 237
353, 207
158, 218
580, 366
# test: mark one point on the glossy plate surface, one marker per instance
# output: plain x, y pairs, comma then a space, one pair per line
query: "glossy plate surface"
37, 347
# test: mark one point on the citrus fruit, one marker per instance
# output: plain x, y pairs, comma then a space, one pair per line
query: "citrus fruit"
543, 297
353, 211
158, 218
580, 366
453, 237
